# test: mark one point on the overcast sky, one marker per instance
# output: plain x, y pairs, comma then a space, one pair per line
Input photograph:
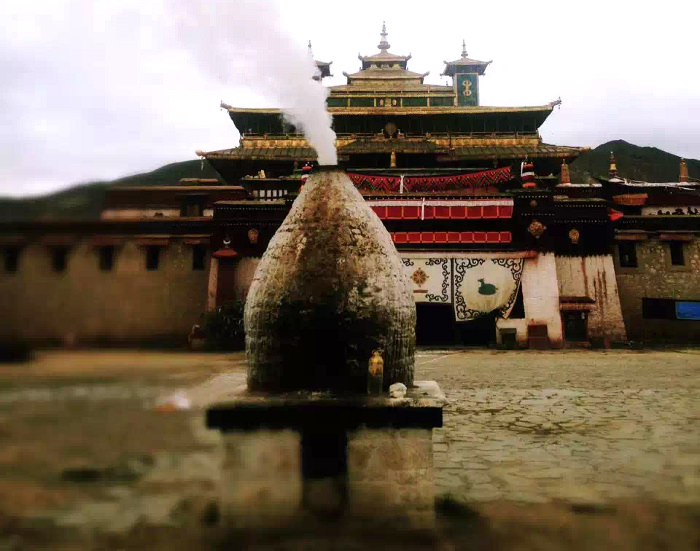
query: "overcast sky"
95, 89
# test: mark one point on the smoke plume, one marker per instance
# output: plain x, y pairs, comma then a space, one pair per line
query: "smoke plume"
244, 42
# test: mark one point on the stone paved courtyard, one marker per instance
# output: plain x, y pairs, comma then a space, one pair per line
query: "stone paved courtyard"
576, 426
528, 438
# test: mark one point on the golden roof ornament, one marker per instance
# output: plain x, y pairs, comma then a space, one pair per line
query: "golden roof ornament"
612, 171
464, 49
683, 177
564, 177
536, 229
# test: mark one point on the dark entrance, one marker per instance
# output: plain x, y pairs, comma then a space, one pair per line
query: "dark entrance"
225, 284
575, 325
478, 332
435, 324
437, 327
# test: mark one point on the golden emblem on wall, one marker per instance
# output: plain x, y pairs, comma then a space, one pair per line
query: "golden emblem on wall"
467, 85
574, 235
536, 228
419, 277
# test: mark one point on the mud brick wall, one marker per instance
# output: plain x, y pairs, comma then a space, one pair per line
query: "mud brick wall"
83, 304
594, 277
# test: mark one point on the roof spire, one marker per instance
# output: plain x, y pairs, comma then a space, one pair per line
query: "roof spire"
464, 49
683, 172
383, 44
612, 170
311, 53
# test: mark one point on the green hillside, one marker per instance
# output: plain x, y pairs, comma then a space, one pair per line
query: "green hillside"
84, 202
636, 163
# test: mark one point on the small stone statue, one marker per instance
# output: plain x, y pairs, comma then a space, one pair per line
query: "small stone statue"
375, 376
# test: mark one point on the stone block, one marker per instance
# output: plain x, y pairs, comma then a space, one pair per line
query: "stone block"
261, 479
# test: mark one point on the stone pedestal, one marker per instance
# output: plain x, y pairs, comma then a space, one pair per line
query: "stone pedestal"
358, 460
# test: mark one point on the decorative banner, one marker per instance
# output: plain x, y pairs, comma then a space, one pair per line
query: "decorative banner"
431, 279
482, 285
470, 181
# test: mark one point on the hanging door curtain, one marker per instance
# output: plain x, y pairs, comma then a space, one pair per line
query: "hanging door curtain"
482, 285
474, 286
473, 181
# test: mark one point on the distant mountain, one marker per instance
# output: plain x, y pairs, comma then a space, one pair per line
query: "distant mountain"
633, 162
84, 202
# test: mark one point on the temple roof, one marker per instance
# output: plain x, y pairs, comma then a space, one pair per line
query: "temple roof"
360, 146
465, 63
324, 67
375, 72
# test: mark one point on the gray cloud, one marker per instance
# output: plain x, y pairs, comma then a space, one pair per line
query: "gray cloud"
98, 89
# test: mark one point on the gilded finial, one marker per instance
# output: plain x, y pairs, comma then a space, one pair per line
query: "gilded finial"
612, 171
683, 177
383, 44
464, 49
565, 178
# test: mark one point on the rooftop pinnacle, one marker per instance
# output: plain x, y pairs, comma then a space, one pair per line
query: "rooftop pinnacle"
464, 49
383, 44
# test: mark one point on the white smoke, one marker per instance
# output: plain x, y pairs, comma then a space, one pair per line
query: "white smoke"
244, 42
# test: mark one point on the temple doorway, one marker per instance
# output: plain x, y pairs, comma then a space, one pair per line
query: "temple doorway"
435, 324
478, 332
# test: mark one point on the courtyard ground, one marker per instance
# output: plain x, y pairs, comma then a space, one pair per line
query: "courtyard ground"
539, 450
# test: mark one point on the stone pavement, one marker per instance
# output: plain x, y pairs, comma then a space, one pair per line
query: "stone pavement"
575, 426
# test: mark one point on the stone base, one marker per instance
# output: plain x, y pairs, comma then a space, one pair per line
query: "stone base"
360, 461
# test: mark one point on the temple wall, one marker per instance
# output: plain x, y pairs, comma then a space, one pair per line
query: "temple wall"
119, 214
234, 276
656, 277
130, 214
594, 277
85, 304
540, 300
245, 270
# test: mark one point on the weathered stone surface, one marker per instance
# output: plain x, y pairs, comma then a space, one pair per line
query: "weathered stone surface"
390, 475
328, 291
261, 476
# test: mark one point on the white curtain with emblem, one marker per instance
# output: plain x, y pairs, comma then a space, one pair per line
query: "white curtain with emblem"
482, 285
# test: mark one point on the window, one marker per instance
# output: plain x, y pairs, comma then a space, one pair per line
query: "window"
192, 206
11, 259
659, 308
59, 259
677, 257
199, 254
106, 258
628, 254
152, 257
